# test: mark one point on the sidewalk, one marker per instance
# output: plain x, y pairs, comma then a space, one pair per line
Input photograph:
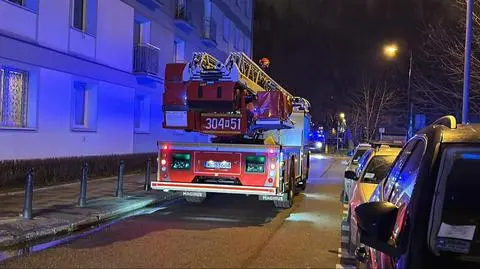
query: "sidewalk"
55, 209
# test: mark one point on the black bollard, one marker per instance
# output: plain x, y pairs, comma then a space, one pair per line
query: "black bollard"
82, 201
119, 192
27, 203
148, 173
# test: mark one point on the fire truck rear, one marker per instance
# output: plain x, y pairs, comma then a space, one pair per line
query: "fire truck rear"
259, 132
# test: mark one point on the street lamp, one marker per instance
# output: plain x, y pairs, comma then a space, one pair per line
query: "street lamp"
391, 51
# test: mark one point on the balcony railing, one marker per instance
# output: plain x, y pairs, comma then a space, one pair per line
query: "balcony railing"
209, 36
183, 18
146, 60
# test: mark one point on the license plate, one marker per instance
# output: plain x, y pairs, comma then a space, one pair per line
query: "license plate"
218, 165
219, 123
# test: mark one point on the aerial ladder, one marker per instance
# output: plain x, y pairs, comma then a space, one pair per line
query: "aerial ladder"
236, 91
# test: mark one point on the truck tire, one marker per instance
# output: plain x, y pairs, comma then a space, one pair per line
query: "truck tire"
291, 191
194, 200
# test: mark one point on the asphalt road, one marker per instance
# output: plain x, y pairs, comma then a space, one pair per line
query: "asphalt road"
223, 232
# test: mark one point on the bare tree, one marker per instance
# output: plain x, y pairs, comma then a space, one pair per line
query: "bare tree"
443, 51
369, 106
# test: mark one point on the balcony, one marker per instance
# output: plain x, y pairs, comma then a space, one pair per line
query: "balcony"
183, 18
146, 61
209, 35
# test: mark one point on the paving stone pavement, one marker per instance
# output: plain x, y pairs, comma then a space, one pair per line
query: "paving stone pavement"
55, 209
66, 195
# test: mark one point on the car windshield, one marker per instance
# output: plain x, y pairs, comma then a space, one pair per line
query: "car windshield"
377, 168
357, 156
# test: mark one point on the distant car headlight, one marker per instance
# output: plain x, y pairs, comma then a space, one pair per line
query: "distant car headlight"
318, 145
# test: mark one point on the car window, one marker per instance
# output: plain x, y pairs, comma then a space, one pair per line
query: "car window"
376, 195
405, 182
377, 169
462, 186
362, 163
358, 155
397, 167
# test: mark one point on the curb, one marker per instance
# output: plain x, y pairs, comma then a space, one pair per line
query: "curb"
70, 226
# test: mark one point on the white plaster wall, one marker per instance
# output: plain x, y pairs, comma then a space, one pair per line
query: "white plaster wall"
18, 20
54, 137
115, 34
81, 43
54, 24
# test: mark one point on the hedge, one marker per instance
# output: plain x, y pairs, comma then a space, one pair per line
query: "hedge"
54, 171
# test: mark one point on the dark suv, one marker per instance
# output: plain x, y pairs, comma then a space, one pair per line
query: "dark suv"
425, 213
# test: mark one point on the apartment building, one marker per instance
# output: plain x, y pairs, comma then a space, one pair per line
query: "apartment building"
85, 77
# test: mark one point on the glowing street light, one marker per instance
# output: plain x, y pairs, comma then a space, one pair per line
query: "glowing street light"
342, 115
390, 50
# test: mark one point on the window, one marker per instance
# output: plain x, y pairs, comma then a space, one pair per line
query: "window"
179, 51
397, 167
141, 31
29, 4
377, 169
84, 107
84, 15
403, 187
13, 98
142, 114
363, 162
358, 155
18, 2
226, 29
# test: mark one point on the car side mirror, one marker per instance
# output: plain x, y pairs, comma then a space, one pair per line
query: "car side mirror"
376, 221
351, 175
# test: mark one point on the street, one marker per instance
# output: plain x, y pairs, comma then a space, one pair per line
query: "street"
225, 231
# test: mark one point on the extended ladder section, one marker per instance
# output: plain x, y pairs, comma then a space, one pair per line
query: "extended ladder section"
238, 67
243, 69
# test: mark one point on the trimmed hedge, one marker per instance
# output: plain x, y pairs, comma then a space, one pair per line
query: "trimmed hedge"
54, 171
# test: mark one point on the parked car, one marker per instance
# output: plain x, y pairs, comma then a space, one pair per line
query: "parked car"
425, 213
351, 165
372, 168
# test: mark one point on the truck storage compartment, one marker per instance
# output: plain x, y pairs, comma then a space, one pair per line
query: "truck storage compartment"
218, 97
175, 115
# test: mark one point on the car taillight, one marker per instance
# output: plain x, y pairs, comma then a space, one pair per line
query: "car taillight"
163, 162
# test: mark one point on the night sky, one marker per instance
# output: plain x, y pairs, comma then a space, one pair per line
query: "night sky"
321, 49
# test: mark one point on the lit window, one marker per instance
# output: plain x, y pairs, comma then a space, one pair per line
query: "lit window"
142, 114
84, 106
13, 98
84, 15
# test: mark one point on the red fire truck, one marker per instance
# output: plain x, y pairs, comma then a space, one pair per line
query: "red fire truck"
259, 132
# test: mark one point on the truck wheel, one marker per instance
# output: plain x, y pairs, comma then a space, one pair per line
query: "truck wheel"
194, 200
291, 192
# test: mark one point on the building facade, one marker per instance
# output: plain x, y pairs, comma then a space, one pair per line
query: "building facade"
85, 77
